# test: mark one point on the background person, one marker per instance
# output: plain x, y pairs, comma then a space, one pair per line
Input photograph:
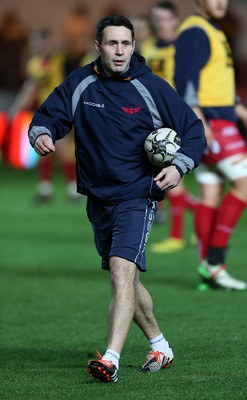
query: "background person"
14, 36
204, 77
143, 31
46, 69
159, 52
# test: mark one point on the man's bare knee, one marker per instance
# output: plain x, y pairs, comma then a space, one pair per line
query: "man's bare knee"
122, 271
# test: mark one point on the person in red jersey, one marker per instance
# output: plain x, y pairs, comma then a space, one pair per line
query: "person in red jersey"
159, 52
204, 77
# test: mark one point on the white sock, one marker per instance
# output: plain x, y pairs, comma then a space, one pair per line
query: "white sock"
159, 343
113, 356
45, 188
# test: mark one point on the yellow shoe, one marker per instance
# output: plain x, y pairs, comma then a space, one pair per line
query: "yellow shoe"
169, 245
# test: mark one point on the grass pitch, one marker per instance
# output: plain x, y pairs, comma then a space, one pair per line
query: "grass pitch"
54, 301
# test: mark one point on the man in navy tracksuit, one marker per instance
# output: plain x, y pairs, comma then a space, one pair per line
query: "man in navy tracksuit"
113, 104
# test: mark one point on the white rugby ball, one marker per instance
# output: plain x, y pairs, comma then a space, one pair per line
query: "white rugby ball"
161, 145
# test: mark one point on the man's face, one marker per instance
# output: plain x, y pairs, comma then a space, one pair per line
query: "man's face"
165, 23
214, 8
116, 49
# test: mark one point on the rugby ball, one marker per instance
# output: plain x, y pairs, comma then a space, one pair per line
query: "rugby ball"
161, 145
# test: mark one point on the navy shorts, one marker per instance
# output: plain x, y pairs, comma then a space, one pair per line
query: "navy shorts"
122, 229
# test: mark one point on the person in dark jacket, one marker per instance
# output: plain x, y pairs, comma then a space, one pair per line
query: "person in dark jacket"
113, 104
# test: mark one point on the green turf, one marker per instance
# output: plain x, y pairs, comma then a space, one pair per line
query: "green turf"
54, 300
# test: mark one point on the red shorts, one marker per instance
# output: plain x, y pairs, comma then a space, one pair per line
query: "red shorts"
228, 141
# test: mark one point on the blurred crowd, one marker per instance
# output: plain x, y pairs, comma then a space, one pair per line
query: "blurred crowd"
31, 65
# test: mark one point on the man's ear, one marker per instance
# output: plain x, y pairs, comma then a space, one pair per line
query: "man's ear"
97, 46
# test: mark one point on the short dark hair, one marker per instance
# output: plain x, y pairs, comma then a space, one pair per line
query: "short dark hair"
168, 5
113, 20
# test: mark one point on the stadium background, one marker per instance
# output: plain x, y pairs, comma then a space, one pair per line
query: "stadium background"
53, 13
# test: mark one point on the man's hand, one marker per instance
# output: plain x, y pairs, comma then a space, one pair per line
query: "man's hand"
44, 145
168, 178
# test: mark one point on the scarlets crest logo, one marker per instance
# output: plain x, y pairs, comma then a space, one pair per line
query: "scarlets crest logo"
132, 110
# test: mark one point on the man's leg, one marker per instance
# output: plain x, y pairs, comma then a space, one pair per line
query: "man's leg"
122, 307
144, 315
121, 312
230, 210
45, 186
175, 240
213, 271
211, 187
65, 155
161, 354
205, 215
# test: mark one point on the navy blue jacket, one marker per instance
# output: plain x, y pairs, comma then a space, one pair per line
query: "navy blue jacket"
111, 119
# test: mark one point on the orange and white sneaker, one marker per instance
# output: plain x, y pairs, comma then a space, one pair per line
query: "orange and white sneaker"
157, 360
103, 370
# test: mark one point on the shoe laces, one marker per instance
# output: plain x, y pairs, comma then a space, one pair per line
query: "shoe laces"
157, 355
98, 354
221, 270
224, 274
105, 362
